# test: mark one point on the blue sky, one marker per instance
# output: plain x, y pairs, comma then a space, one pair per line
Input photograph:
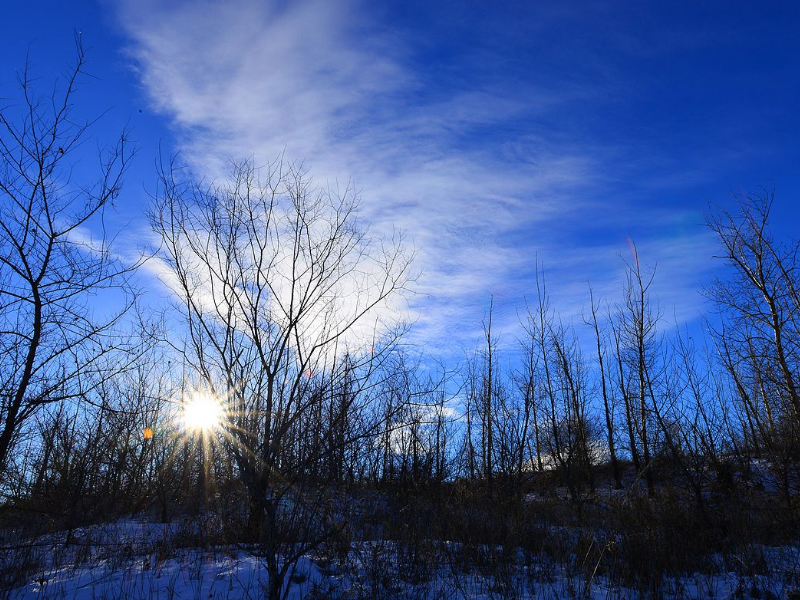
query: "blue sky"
491, 134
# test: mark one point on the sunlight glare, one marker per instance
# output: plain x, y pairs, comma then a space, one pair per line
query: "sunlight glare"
202, 412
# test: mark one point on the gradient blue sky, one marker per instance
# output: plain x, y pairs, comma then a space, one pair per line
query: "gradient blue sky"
490, 133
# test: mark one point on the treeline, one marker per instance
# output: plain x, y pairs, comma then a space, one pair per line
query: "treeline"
279, 311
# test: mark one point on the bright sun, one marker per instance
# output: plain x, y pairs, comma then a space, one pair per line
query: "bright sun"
202, 412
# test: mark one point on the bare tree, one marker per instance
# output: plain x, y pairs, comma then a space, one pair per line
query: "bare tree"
620, 383
486, 400
762, 300
278, 283
759, 338
539, 328
608, 405
576, 426
496, 424
638, 323
562, 387
527, 380
54, 256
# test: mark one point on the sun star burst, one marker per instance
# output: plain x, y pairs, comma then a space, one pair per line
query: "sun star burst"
202, 412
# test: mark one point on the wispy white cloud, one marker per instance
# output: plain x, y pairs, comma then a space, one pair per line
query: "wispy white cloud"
319, 81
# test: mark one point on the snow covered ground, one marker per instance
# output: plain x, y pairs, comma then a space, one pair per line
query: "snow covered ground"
138, 560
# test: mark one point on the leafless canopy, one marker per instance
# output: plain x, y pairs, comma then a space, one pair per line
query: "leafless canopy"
52, 258
285, 301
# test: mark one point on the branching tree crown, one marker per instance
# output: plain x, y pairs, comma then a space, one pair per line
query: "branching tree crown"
282, 294
51, 345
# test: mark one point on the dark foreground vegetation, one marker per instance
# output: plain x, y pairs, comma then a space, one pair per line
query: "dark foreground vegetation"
636, 458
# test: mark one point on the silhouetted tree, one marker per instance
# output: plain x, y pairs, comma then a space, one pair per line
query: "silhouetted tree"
54, 256
280, 289
759, 334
